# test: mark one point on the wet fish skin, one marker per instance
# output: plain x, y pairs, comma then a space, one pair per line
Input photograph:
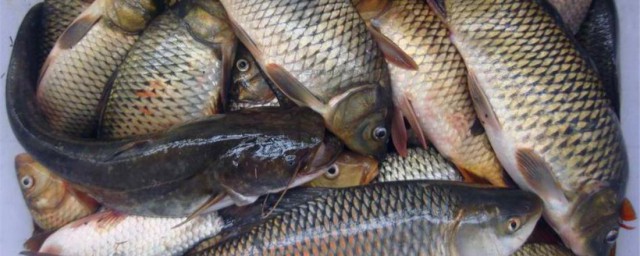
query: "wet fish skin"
177, 164
573, 12
52, 202
336, 70
598, 35
58, 14
174, 73
413, 218
437, 93
83, 60
250, 87
546, 113
539, 249
419, 164
111, 233
349, 170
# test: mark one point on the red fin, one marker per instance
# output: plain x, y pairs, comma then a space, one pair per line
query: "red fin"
627, 213
399, 133
392, 52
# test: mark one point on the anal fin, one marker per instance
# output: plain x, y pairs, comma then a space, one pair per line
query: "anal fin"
537, 174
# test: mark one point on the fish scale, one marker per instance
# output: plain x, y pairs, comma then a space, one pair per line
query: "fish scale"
547, 106
437, 91
418, 164
165, 80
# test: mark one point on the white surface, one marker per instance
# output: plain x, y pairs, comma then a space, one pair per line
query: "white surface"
15, 223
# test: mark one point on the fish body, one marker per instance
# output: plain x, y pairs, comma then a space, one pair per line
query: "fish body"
349, 170
538, 249
174, 172
598, 35
52, 202
321, 55
111, 233
410, 218
250, 87
419, 164
174, 73
573, 12
83, 60
546, 114
435, 98
58, 15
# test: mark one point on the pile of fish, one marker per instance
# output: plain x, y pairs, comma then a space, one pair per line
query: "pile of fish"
319, 127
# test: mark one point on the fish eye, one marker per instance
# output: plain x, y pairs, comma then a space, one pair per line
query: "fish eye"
612, 236
242, 65
380, 133
26, 182
513, 224
332, 172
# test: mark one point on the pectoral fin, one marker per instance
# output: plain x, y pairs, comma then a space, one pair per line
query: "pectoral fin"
291, 87
483, 107
392, 52
399, 133
537, 174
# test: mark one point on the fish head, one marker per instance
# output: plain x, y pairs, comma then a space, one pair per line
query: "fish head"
593, 227
134, 15
349, 170
360, 118
207, 21
496, 222
249, 85
41, 190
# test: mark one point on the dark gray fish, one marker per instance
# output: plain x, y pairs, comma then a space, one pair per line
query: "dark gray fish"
598, 35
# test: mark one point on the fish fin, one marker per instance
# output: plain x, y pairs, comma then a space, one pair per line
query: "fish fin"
102, 104
439, 8
228, 58
391, 51
404, 104
469, 177
34, 243
537, 174
477, 128
202, 209
291, 87
246, 40
483, 107
399, 133
74, 33
627, 213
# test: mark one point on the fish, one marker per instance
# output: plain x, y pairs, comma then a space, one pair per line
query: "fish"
174, 73
321, 55
212, 162
419, 164
112, 233
411, 218
51, 201
546, 113
80, 65
58, 15
540, 249
598, 36
250, 87
572, 12
349, 170
435, 98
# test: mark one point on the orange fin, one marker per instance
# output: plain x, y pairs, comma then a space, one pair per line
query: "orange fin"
408, 112
537, 174
392, 52
627, 213
399, 133
295, 90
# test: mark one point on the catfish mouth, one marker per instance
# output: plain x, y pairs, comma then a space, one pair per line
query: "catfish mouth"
324, 157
